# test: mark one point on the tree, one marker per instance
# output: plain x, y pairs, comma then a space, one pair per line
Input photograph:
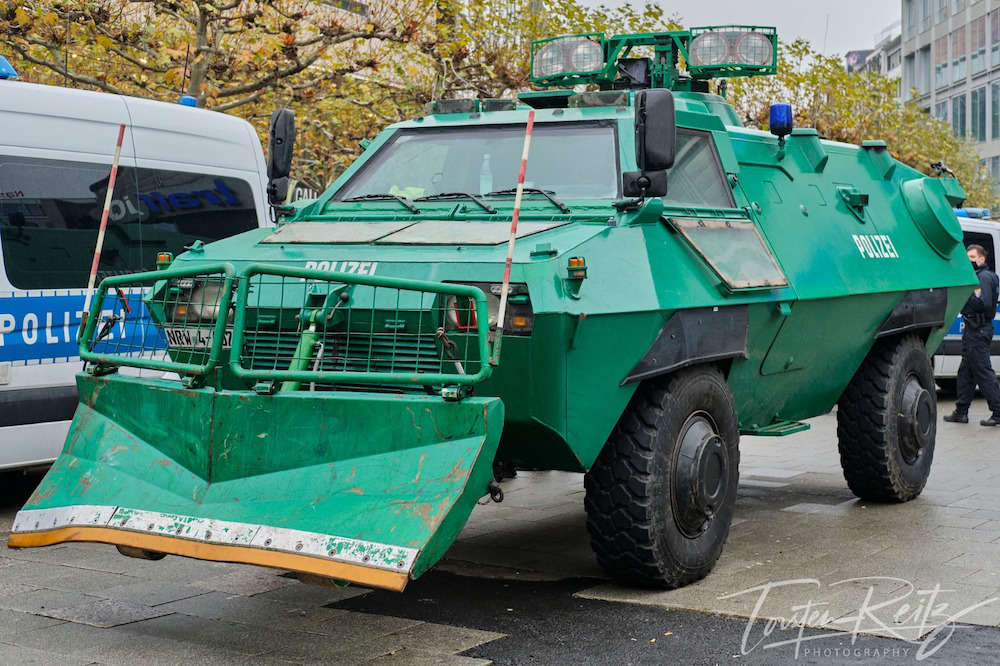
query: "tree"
346, 75
859, 106
226, 53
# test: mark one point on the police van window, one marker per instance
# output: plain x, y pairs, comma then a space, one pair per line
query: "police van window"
50, 211
696, 179
574, 160
984, 239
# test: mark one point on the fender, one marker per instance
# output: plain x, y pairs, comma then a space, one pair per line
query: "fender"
694, 336
920, 308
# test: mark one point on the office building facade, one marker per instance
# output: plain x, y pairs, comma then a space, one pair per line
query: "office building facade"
951, 68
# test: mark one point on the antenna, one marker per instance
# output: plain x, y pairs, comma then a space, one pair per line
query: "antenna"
66, 52
184, 74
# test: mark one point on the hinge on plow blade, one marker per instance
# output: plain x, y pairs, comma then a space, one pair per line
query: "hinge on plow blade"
777, 428
266, 388
193, 381
455, 393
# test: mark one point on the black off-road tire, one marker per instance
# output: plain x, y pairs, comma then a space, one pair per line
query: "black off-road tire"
636, 503
885, 434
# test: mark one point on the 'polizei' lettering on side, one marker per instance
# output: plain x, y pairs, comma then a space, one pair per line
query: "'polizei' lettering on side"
875, 246
359, 267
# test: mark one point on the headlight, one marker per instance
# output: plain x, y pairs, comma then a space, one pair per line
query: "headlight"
754, 48
710, 48
195, 301
460, 312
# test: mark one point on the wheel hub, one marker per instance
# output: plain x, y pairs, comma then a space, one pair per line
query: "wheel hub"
917, 413
701, 473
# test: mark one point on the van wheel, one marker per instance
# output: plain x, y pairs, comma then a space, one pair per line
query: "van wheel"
661, 495
887, 422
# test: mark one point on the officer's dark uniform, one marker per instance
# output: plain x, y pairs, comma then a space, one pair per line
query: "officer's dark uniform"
976, 369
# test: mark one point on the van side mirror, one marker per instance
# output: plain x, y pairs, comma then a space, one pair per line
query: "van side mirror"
655, 144
280, 146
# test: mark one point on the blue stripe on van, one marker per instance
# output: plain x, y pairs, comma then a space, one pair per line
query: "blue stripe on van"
958, 325
36, 327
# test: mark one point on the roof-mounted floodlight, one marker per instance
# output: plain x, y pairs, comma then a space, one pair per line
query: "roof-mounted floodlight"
610, 62
568, 57
732, 50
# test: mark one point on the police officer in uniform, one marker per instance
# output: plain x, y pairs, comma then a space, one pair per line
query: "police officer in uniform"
976, 369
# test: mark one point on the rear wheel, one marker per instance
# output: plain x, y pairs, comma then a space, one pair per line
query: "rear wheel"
661, 495
887, 422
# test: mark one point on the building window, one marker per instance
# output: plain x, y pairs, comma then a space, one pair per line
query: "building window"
896, 57
995, 111
959, 5
925, 15
958, 115
909, 73
995, 36
941, 62
909, 17
942, 13
958, 54
978, 104
924, 70
941, 111
977, 45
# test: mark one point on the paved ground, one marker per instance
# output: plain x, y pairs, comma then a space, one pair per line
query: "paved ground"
520, 586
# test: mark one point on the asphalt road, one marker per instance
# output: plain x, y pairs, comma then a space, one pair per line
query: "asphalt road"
542, 622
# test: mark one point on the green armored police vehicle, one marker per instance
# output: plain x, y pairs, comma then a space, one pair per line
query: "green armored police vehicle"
330, 396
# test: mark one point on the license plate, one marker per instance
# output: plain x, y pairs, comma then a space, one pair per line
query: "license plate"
195, 338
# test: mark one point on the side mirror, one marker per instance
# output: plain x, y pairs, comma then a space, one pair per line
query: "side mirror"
280, 145
655, 144
655, 129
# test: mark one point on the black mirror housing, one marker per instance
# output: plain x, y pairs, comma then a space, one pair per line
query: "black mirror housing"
655, 129
280, 144
644, 184
277, 191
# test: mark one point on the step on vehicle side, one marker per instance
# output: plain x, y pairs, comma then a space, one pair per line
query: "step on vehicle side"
678, 280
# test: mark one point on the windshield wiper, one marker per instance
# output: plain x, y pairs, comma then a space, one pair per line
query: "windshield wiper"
460, 195
533, 190
403, 201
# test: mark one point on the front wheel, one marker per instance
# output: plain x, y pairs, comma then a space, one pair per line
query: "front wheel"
661, 495
887, 422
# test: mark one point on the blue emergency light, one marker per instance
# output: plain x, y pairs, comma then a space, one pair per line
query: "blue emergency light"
7, 70
781, 120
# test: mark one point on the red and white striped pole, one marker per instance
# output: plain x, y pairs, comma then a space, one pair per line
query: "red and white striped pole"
505, 289
104, 223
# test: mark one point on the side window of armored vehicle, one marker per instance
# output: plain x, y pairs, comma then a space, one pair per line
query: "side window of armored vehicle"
697, 179
574, 160
986, 241
734, 249
50, 211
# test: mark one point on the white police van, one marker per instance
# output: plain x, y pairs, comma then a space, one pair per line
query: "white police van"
185, 174
977, 229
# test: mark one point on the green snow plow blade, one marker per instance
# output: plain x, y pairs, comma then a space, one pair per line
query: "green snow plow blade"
361, 487
338, 441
